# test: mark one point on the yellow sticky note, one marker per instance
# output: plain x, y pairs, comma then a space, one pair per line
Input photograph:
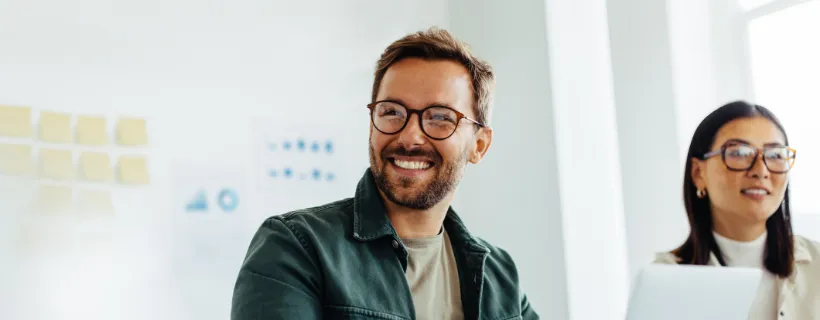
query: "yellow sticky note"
132, 132
56, 164
133, 170
96, 166
55, 199
91, 131
93, 202
16, 160
15, 122
55, 127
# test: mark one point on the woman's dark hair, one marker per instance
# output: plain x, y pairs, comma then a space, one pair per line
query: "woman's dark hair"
696, 250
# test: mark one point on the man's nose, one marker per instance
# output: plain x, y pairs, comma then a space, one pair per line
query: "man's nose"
412, 134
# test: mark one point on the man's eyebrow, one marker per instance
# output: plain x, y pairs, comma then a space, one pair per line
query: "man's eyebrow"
395, 100
401, 102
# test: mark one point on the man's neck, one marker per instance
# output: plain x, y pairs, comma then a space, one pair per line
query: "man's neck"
411, 223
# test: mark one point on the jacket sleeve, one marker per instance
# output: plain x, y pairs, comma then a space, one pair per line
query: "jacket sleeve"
527, 312
279, 279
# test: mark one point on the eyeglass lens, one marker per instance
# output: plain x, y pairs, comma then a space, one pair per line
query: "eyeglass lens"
742, 157
436, 122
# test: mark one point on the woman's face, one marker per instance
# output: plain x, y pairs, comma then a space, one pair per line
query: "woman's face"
747, 196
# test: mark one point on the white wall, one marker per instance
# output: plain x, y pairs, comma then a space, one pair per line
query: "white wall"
200, 72
512, 198
556, 147
647, 127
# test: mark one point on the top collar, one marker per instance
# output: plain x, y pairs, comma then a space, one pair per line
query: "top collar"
801, 253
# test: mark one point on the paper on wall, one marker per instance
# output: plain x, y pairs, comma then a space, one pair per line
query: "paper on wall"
55, 127
56, 164
15, 121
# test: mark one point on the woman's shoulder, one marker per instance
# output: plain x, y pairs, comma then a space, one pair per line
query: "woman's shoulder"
807, 241
806, 246
666, 258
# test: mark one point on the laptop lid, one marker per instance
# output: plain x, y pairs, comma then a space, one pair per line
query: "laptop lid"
678, 292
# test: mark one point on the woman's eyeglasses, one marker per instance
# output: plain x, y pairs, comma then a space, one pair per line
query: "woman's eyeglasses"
742, 157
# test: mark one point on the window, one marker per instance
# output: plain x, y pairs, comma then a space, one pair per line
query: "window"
752, 4
785, 65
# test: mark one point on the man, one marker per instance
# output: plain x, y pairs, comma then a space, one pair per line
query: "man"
396, 250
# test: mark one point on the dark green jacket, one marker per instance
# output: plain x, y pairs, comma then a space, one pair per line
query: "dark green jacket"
344, 260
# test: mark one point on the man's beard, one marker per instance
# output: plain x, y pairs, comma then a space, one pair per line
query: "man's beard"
446, 178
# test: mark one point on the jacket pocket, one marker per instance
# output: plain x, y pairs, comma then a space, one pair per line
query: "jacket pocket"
355, 313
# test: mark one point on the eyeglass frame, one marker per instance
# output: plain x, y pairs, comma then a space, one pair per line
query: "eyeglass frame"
420, 112
758, 151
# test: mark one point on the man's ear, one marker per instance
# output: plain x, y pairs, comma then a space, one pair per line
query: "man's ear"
698, 173
484, 137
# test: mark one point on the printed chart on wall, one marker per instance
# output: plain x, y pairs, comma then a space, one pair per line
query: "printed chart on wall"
210, 215
210, 236
302, 165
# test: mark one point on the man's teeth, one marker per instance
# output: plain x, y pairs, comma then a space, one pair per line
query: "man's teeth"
756, 191
412, 165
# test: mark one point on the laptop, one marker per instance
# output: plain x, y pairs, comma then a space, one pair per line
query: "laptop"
678, 292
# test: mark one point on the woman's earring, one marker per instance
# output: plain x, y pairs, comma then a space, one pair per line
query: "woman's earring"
783, 210
701, 193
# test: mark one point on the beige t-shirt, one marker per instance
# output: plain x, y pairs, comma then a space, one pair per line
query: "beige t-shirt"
433, 277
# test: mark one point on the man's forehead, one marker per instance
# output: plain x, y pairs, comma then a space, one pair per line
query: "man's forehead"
420, 83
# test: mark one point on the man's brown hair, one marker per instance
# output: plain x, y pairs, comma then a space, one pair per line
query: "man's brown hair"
438, 44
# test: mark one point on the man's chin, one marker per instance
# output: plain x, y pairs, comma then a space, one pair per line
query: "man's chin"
410, 199
406, 187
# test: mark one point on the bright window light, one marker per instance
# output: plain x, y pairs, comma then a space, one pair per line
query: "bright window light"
752, 4
785, 62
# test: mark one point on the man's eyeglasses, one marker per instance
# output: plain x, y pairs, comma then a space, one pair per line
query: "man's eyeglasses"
437, 122
742, 157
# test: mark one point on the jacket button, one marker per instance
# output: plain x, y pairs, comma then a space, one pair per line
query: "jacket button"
395, 244
782, 314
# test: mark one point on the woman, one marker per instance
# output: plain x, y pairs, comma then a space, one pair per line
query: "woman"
736, 194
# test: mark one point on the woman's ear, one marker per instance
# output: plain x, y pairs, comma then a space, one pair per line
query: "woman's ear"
698, 173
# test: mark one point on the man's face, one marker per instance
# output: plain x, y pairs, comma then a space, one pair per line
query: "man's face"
410, 168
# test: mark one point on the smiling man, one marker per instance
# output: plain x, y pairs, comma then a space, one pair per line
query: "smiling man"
396, 249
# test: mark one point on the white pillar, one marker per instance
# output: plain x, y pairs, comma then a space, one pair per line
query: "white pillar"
549, 190
588, 158
651, 159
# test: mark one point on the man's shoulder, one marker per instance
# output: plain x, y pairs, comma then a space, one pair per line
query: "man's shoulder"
498, 257
323, 217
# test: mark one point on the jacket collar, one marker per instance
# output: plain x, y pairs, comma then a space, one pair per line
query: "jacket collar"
801, 253
370, 219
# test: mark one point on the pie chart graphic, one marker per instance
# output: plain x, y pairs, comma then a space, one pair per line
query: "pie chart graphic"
228, 200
